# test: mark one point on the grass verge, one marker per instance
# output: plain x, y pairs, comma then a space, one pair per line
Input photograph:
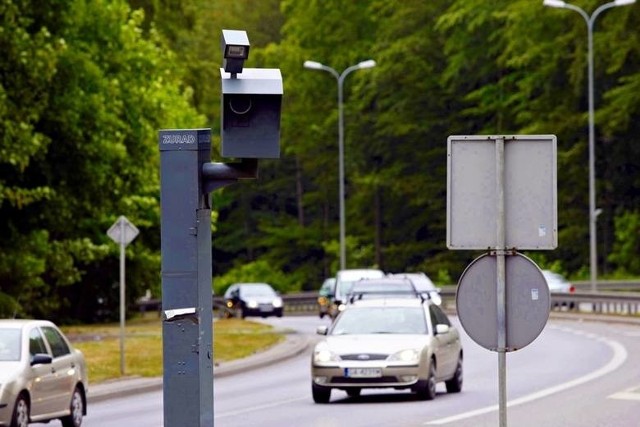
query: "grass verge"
232, 339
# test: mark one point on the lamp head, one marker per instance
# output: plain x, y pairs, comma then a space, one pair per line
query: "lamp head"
312, 65
555, 3
370, 63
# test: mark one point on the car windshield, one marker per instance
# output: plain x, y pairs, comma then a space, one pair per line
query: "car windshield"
9, 345
381, 320
257, 291
327, 287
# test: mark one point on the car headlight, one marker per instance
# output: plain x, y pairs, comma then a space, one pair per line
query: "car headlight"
325, 356
277, 302
410, 355
252, 304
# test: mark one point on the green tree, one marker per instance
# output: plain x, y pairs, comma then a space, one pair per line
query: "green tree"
108, 92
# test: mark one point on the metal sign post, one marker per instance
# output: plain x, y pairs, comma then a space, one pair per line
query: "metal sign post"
122, 232
502, 197
501, 285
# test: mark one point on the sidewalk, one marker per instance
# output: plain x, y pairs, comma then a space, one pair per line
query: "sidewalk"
293, 345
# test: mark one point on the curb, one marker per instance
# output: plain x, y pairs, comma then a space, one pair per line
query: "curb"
293, 345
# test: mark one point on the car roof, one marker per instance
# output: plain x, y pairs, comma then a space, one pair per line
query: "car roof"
386, 302
552, 274
382, 281
21, 323
420, 280
359, 273
252, 284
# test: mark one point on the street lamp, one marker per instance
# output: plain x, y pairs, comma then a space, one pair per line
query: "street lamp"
340, 78
593, 214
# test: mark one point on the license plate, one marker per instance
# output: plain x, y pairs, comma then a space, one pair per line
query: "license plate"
362, 372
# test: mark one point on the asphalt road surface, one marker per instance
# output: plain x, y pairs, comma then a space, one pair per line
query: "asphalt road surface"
575, 374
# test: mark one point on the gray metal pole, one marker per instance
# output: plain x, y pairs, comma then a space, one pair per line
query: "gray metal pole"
343, 250
187, 327
341, 175
593, 215
343, 226
122, 295
501, 284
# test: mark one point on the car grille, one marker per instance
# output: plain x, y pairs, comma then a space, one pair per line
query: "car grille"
363, 357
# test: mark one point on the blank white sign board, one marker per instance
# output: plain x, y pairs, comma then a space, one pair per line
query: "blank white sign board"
530, 195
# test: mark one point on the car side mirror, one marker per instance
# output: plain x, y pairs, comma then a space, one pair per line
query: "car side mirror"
442, 329
41, 359
322, 330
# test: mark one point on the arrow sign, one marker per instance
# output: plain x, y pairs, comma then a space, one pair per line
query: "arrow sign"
123, 231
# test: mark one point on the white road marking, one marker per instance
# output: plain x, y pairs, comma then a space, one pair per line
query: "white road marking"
618, 358
629, 394
258, 408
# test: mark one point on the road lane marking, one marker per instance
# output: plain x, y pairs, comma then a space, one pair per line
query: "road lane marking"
629, 394
618, 358
258, 408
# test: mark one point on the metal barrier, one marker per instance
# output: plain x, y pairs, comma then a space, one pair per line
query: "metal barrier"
624, 303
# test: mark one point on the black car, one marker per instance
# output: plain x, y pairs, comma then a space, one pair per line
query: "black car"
252, 299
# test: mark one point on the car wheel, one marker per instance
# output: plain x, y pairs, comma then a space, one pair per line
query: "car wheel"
76, 408
20, 416
353, 392
320, 394
426, 389
454, 385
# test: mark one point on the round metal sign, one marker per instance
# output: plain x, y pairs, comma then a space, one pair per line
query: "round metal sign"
527, 301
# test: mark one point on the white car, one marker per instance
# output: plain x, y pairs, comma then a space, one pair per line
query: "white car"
396, 343
42, 377
558, 284
345, 280
422, 284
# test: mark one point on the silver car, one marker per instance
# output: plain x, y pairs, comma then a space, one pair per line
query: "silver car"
42, 377
387, 343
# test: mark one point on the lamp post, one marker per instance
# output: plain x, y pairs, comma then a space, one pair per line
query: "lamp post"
340, 78
593, 212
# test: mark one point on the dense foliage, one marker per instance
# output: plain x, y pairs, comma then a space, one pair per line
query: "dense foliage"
85, 85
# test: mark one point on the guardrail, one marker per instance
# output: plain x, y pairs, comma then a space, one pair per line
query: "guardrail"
624, 303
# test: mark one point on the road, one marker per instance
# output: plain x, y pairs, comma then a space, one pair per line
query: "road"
574, 374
